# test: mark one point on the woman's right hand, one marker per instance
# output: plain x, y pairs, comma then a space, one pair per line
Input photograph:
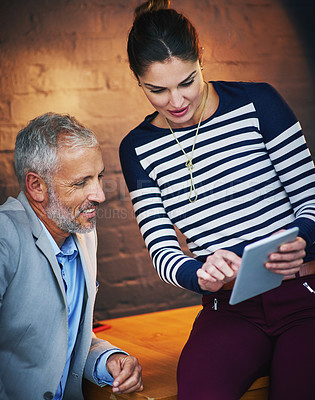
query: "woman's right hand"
220, 268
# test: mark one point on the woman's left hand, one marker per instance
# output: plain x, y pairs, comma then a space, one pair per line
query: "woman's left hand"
288, 259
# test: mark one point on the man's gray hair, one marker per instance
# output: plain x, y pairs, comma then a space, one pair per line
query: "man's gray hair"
37, 144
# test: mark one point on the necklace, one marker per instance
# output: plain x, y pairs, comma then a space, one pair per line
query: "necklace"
189, 163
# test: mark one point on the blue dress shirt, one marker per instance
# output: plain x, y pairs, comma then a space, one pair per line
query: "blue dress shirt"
74, 282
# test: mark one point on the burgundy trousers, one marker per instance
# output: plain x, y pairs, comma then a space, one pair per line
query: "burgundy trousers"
231, 346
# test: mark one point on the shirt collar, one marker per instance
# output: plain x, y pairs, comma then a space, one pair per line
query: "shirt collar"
69, 248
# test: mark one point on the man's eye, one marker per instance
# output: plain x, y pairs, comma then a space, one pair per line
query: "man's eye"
80, 184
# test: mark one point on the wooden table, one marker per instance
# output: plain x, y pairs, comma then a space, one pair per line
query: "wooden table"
156, 339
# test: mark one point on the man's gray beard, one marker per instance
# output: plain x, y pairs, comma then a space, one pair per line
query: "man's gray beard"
61, 215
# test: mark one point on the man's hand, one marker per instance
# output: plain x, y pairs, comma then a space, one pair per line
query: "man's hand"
220, 267
126, 372
288, 259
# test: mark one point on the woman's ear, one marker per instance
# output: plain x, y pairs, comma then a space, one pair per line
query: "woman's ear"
201, 57
36, 187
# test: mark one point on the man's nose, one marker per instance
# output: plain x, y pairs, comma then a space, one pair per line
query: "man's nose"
97, 194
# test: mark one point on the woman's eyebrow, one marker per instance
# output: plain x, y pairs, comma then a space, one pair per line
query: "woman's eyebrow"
190, 76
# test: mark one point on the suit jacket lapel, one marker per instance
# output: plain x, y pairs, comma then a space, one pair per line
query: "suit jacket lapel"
85, 261
42, 242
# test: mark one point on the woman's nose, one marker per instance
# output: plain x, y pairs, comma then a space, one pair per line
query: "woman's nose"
176, 99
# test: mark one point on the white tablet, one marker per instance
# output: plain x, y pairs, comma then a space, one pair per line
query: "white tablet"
253, 277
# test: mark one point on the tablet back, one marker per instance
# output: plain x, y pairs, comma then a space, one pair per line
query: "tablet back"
253, 277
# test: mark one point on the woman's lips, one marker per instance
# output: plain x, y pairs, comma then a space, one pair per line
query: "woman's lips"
179, 113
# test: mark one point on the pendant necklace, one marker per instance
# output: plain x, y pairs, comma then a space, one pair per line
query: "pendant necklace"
189, 163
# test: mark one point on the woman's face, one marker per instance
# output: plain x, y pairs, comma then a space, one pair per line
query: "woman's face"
175, 89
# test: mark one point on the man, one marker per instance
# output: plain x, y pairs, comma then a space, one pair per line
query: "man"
48, 269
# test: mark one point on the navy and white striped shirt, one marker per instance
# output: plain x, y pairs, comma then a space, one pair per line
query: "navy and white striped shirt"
252, 171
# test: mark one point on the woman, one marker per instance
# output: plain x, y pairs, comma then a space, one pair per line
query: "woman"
226, 162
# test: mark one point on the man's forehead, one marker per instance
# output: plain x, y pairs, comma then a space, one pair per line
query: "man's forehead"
80, 162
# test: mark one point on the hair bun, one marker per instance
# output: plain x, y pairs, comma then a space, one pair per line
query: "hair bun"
151, 5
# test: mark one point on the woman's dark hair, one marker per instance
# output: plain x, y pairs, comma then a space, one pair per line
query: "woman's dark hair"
159, 33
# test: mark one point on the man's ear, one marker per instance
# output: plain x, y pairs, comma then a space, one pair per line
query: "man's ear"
35, 186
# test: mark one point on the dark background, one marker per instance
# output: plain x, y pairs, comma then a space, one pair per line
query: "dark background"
69, 57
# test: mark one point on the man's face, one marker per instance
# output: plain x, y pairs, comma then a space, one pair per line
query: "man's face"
76, 189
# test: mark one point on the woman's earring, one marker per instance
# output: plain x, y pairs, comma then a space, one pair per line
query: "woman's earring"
201, 68
139, 84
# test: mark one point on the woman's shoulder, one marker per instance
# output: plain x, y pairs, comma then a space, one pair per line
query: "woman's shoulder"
275, 116
236, 94
143, 133
241, 87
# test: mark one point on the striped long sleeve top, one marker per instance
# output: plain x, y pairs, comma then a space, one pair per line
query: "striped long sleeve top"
252, 172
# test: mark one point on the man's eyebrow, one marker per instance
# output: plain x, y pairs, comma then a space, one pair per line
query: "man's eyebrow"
190, 76
81, 178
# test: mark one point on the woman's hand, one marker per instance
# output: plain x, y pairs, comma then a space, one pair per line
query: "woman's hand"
288, 259
220, 267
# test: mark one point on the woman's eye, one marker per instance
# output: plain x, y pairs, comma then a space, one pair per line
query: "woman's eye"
184, 84
188, 83
157, 90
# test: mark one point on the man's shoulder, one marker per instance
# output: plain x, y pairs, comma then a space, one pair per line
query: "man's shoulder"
11, 204
12, 210
13, 217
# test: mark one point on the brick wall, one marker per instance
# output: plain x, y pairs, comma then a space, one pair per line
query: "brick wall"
69, 57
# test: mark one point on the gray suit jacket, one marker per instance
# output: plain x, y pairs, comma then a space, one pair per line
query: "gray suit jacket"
33, 310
